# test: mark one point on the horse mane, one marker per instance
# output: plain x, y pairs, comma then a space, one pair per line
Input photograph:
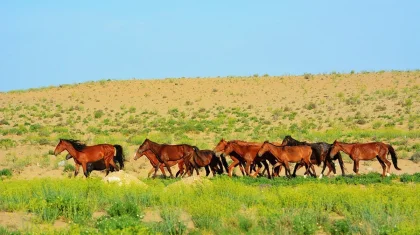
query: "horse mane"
294, 141
76, 144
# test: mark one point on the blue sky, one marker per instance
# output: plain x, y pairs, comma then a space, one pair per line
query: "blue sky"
45, 43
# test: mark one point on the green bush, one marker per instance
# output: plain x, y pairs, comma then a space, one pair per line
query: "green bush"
7, 143
6, 172
69, 168
98, 113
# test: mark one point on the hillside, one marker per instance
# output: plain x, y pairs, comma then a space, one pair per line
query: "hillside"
378, 106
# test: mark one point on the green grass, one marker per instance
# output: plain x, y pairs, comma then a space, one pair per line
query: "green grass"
364, 204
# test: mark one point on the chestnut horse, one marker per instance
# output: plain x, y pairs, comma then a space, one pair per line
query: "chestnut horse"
238, 159
165, 153
320, 153
248, 154
154, 162
206, 159
85, 154
286, 154
367, 151
220, 147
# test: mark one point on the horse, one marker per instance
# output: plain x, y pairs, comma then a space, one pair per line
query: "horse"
320, 153
165, 153
85, 154
206, 159
367, 151
220, 147
236, 158
91, 166
286, 154
154, 162
247, 152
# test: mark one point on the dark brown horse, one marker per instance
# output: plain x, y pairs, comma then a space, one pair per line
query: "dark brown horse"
367, 151
320, 153
206, 159
85, 154
165, 153
286, 154
154, 162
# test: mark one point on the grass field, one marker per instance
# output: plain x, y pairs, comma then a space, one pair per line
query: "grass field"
364, 204
363, 107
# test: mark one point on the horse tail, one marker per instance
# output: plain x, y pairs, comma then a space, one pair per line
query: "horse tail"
393, 156
120, 155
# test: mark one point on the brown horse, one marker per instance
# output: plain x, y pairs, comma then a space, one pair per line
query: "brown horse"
248, 154
165, 153
320, 153
238, 160
154, 162
206, 159
85, 154
219, 149
286, 154
367, 151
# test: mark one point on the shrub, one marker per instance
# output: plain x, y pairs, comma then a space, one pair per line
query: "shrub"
379, 108
5, 172
69, 168
7, 143
310, 106
377, 125
416, 157
98, 113
4, 122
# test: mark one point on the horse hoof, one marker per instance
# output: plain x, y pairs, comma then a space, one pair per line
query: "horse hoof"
335, 175
304, 176
320, 176
387, 174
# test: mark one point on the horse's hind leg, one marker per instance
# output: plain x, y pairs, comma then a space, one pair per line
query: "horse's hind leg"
388, 164
356, 166
383, 165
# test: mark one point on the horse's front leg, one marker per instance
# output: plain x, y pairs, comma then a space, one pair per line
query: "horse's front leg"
84, 167
165, 161
157, 166
76, 168
232, 165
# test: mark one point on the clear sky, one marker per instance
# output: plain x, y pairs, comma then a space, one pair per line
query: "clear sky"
45, 43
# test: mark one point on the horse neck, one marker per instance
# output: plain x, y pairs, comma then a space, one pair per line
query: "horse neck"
73, 152
237, 148
346, 147
154, 147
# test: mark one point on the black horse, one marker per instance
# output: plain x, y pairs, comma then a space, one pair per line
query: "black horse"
320, 154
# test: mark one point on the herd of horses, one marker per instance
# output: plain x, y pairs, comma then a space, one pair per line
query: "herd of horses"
250, 157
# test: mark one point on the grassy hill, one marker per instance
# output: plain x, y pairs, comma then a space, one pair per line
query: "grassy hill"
367, 106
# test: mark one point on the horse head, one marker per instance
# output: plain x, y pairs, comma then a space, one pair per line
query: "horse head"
143, 148
61, 146
220, 147
264, 148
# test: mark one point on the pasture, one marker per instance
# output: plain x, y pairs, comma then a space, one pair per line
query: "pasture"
365, 204
37, 188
